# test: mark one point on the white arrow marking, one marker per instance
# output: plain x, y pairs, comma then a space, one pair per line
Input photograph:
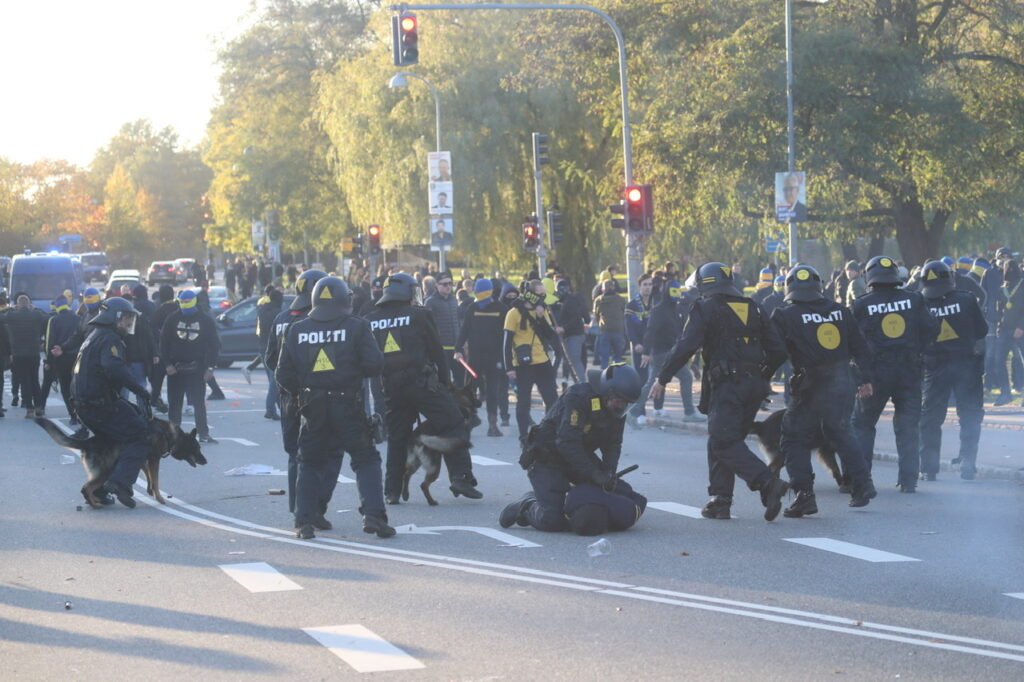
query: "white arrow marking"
488, 462
507, 539
342, 478
851, 550
240, 441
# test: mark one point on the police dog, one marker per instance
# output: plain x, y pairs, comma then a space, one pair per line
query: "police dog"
427, 450
99, 454
769, 434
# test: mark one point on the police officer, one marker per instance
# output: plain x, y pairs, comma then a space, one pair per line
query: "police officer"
100, 374
741, 352
322, 365
289, 408
561, 451
416, 382
896, 325
821, 337
62, 344
953, 363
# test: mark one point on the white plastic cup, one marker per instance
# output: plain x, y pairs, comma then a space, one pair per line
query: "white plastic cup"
599, 548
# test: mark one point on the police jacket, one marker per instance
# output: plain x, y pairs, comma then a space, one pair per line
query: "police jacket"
266, 312
822, 334
407, 336
961, 326
189, 338
610, 313
636, 315
25, 329
896, 323
771, 302
371, 303
62, 330
482, 330
664, 325
445, 311
100, 370
965, 283
734, 336
761, 294
992, 285
625, 505
334, 355
284, 320
1012, 309
571, 314
575, 427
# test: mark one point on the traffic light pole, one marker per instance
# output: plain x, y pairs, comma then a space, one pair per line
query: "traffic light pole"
542, 249
634, 243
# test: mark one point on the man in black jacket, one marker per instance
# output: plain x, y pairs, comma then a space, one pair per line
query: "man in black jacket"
167, 305
189, 347
5, 347
266, 312
570, 314
62, 344
480, 339
25, 328
664, 325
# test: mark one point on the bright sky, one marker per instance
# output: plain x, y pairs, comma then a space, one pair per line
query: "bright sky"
73, 71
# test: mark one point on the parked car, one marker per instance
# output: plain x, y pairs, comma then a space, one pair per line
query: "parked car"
184, 266
95, 266
163, 272
237, 329
220, 299
119, 278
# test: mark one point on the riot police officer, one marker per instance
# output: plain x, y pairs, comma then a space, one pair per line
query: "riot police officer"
416, 382
741, 352
100, 374
322, 365
896, 325
288, 408
953, 363
560, 452
821, 337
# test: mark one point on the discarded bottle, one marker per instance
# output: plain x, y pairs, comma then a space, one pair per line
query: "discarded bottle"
599, 548
68, 459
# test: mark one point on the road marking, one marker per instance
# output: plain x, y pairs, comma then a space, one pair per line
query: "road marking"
342, 478
259, 577
1015, 595
851, 550
808, 619
488, 462
234, 411
240, 441
507, 539
363, 649
676, 508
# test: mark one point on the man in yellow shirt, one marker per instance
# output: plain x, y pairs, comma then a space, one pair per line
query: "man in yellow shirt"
529, 334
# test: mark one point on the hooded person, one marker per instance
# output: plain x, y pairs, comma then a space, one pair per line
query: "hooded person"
479, 343
189, 347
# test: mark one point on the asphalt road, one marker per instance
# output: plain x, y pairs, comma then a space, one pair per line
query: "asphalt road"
911, 587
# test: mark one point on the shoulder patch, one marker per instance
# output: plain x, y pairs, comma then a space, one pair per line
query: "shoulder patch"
595, 404
115, 352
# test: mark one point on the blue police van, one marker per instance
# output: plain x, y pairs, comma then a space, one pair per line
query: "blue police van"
45, 276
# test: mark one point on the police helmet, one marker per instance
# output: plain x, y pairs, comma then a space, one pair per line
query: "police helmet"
936, 279
716, 278
113, 310
882, 270
1003, 252
331, 299
618, 381
399, 287
803, 284
948, 260
304, 288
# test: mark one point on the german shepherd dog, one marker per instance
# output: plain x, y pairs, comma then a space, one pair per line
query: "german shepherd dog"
769, 434
99, 454
428, 450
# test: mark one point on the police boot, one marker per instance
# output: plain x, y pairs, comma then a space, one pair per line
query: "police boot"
123, 493
863, 492
492, 427
516, 512
305, 532
30, 413
377, 524
717, 508
804, 505
771, 497
321, 523
464, 486
504, 418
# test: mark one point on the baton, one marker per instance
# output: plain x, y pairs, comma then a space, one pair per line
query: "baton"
568, 359
630, 468
469, 369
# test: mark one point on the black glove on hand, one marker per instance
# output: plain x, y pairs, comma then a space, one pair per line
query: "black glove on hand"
604, 480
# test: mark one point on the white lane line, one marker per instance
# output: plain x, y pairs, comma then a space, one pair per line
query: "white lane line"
839, 624
676, 508
488, 462
507, 539
342, 478
1015, 595
240, 441
851, 550
234, 411
363, 649
259, 577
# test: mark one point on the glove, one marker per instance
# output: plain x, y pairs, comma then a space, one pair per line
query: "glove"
603, 479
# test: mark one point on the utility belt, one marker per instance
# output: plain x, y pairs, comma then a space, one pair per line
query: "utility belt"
308, 395
897, 356
721, 370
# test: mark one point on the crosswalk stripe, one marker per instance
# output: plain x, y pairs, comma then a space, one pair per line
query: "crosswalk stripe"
1015, 595
240, 441
851, 550
259, 577
676, 508
363, 649
489, 462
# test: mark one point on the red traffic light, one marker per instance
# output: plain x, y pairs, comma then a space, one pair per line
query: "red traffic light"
374, 230
634, 195
408, 23
530, 230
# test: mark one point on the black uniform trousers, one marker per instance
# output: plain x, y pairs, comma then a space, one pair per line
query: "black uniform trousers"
405, 402
290, 424
192, 386
543, 376
492, 374
732, 407
121, 422
899, 381
823, 400
961, 376
550, 486
330, 427
25, 376
62, 370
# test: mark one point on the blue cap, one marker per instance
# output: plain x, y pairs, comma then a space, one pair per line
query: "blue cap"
964, 263
948, 260
60, 303
187, 301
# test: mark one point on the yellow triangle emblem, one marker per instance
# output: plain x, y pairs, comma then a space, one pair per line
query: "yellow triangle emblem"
391, 346
932, 275
323, 363
325, 293
946, 332
741, 310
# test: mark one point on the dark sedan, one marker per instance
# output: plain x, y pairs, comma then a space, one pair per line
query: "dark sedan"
237, 329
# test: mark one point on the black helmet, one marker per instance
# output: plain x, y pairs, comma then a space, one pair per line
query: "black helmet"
936, 279
304, 288
803, 284
112, 310
716, 278
331, 299
616, 381
399, 287
882, 270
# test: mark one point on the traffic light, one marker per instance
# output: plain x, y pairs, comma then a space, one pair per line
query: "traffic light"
373, 233
540, 150
618, 209
207, 212
357, 245
555, 226
404, 39
531, 234
639, 208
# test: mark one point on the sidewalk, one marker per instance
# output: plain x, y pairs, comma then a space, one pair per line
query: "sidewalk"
1000, 452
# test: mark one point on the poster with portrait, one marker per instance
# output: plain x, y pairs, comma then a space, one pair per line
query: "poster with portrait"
442, 232
791, 197
440, 194
439, 166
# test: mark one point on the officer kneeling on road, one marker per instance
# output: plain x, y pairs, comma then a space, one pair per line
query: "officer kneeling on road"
560, 452
322, 365
100, 374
